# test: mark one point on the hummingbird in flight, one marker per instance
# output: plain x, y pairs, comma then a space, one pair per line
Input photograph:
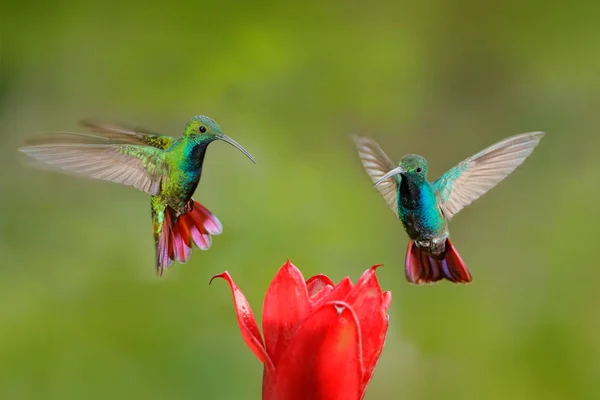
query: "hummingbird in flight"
166, 168
425, 208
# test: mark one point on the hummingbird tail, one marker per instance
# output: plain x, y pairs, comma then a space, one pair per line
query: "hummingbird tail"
179, 233
422, 267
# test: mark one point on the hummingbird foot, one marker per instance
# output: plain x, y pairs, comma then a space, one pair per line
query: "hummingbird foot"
189, 207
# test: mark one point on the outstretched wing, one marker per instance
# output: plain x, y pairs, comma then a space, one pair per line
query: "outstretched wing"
377, 164
124, 134
114, 154
473, 177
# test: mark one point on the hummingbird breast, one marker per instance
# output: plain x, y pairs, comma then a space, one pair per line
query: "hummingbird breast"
178, 189
179, 185
419, 212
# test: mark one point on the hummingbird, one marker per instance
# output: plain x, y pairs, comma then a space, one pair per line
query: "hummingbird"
425, 208
166, 168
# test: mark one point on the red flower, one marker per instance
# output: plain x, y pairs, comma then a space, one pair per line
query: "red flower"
322, 341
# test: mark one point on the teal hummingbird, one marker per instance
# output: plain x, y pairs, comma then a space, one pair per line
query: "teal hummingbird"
425, 208
166, 168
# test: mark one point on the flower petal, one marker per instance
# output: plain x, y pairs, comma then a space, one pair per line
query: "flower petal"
317, 283
246, 321
370, 305
285, 308
340, 291
318, 287
323, 362
319, 300
387, 300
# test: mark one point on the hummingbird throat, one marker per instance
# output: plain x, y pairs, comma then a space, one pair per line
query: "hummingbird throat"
409, 193
196, 153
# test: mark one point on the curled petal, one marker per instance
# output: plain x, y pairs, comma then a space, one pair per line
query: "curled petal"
319, 300
387, 300
317, 283
318, 287
340, 291
285, 308
246, 321
323, 362
369, 303
367, 285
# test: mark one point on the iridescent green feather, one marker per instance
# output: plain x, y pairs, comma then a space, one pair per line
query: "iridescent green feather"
443, 185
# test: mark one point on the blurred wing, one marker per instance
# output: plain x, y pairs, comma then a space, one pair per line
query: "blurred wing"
473, 177
377, 164
142, 167
122, 134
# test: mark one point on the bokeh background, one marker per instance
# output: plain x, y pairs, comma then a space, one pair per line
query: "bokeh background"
82, 312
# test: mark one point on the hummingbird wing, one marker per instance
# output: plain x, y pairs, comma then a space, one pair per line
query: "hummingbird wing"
124, 134
377, 164
475, 176
102, 157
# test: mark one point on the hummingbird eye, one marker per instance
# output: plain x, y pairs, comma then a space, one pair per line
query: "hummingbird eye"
419, 169
202, 129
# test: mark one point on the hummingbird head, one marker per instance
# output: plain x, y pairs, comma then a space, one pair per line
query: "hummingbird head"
414, 165
411, 165
202, 129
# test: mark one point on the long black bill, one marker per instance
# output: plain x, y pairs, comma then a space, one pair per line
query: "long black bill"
237, 146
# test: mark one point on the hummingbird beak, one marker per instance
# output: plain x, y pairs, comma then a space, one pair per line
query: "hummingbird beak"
235, 144
393, 172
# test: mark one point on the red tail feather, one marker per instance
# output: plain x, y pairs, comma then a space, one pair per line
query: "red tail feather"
422, 267
179, 234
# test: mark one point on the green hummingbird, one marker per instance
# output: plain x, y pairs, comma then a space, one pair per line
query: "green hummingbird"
166, 168
426, 207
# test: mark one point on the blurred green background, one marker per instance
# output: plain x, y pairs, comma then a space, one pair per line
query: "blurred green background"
82, 312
